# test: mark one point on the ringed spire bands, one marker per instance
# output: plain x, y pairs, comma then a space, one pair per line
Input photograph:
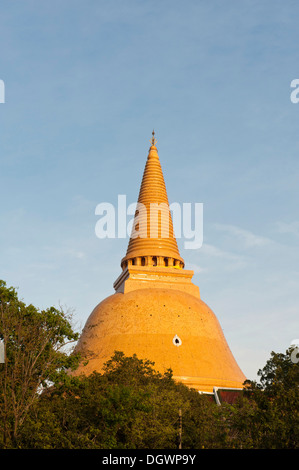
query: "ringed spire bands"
152, 240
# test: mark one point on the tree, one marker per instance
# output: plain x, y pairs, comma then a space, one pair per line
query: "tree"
157, 427
267, 416
34, 358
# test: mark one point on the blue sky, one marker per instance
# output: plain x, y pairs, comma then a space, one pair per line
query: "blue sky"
85, 84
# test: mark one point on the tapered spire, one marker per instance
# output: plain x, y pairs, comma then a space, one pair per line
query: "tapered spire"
152, 240
156, 311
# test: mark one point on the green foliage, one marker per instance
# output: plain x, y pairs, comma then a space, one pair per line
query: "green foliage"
129, 405
34, 342
276, 417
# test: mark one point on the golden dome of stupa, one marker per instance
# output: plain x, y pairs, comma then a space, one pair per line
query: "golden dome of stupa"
156, 311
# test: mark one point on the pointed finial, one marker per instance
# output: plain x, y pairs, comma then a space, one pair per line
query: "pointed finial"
153, 141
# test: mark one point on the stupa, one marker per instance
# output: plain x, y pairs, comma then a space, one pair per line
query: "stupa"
156, 311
